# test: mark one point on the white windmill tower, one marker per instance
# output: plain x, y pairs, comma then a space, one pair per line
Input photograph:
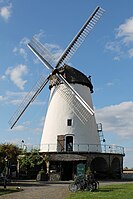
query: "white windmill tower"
70, 121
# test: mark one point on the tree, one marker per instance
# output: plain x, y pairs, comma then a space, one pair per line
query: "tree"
9, 153
30, 163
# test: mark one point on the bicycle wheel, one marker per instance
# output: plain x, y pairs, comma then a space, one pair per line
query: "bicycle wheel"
91, 187
73, 187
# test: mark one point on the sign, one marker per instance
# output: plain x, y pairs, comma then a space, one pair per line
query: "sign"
80, 169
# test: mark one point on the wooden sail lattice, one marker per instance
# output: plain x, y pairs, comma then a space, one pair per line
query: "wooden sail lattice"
81, 108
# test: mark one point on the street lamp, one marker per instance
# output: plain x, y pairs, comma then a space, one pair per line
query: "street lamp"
22, 144
6, 171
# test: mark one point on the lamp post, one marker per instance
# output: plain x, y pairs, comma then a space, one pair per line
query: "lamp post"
6, 172
22, 144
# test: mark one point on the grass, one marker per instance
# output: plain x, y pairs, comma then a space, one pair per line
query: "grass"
7, 191
118, 191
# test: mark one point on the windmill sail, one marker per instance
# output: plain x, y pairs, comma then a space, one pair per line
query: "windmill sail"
77, 96
77, 107
45, 57
41, 52
80, 37
30, 97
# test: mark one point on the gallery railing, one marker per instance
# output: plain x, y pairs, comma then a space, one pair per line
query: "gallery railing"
77, 148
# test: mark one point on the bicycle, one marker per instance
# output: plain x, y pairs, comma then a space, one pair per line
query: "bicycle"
84, 183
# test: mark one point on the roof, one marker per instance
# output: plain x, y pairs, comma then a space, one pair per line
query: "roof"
73, 76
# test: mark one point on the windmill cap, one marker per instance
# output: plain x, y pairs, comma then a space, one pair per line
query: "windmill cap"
73, 76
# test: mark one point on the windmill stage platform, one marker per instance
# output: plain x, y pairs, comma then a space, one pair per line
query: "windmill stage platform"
64, 165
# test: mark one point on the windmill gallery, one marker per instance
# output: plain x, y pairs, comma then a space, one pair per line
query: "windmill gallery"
71, 138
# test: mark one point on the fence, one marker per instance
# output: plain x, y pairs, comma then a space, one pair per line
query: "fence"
77, 148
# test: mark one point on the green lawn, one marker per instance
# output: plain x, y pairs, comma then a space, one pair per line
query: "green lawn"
6, 191
119, 191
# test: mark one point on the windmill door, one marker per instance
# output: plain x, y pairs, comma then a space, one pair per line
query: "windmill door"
69, 143
60, 142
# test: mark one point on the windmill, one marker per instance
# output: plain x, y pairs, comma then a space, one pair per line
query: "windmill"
70, 120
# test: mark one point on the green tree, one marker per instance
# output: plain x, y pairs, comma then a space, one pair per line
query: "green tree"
8, 152
30, 163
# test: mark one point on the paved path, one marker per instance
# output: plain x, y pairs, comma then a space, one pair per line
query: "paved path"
33, 190
40, 192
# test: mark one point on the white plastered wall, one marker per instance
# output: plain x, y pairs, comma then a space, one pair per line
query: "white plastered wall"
85, 136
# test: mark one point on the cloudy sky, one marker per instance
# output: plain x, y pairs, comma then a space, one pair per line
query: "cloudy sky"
106, 55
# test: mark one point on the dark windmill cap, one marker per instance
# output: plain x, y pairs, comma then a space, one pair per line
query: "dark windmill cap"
73, 76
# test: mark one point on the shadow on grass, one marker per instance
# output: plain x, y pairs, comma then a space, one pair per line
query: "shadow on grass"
7, 191
105, 190
110, 189
24, 184
31, 183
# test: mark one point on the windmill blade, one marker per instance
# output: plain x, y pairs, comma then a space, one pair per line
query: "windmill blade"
80, 37
79, 106
41, 52
80, 111
79, 98
30, 97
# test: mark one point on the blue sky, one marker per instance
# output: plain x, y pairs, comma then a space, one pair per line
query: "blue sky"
106, 55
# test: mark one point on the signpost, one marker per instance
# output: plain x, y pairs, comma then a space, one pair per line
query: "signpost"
80, 169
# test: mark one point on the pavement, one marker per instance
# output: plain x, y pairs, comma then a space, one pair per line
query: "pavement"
38, 190
45, 190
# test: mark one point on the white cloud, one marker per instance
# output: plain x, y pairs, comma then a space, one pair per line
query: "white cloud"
16, 75
1, 98
110, 84
5, 12
55, 51
121, 46
25, 126
52, 51
38, 130
130, 52
117, 58
125, 31
21, 52
117, 119
20, 128
21, 49
24, 41
113, 46
12, 97
3, 77
39, 35
116, 48
16, 98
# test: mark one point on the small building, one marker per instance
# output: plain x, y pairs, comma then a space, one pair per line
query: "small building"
65, 165
127, 174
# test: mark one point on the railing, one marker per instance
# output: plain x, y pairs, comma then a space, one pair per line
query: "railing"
77, 148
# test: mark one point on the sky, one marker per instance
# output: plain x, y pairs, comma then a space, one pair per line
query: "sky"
106, 55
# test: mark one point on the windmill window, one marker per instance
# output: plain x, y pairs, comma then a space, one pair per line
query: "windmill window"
69, 122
